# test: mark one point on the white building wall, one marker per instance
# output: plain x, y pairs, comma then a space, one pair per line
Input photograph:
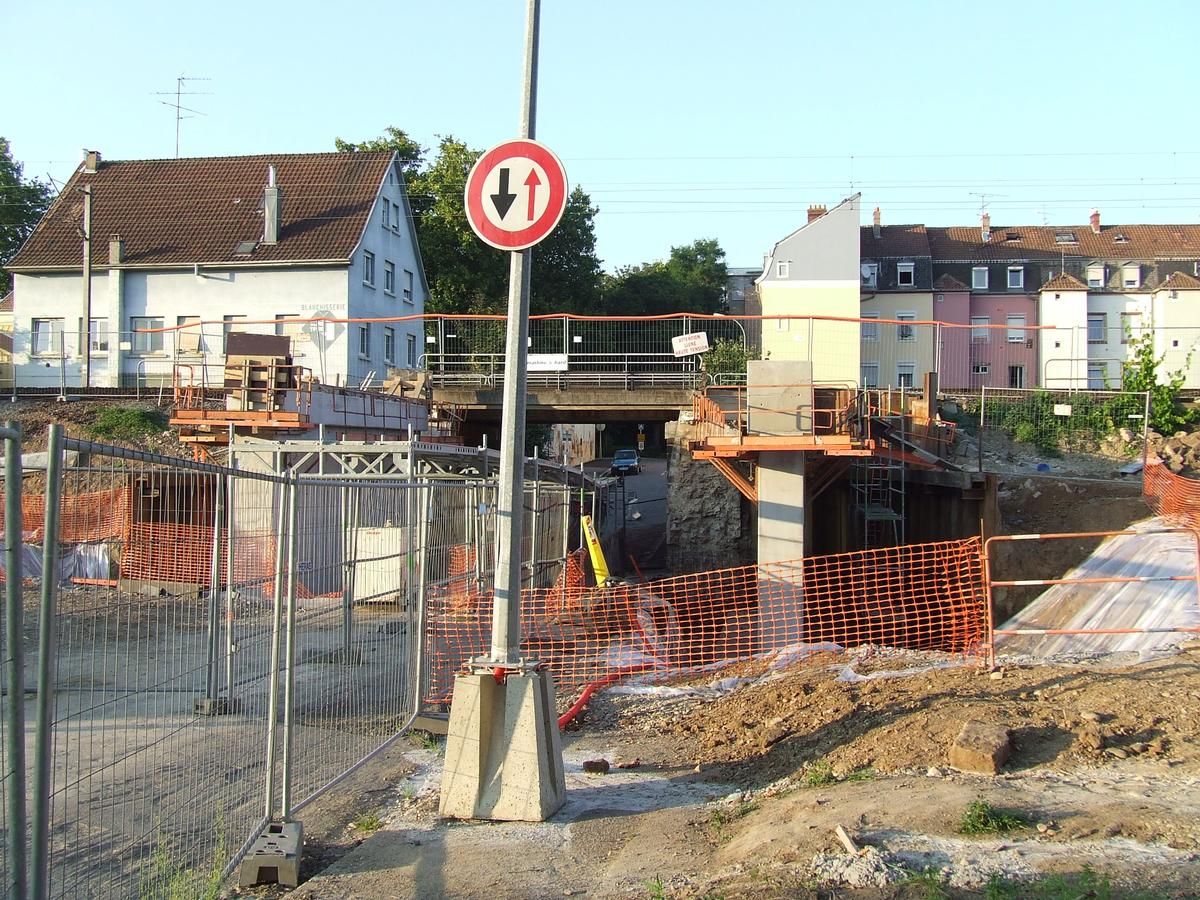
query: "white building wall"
1063, 347
1118, 310
1177, 334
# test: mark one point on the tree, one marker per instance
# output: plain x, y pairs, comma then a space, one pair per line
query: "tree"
410, 153
699, 268
22, 204
1140, 372
692, 279
566, 270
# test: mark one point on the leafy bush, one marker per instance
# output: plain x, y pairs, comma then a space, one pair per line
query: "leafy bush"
726, 356
127, 423
1140, 373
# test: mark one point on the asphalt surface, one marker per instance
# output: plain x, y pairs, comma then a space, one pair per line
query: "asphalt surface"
645, 513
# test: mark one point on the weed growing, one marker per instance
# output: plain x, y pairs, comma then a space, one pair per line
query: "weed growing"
981, 817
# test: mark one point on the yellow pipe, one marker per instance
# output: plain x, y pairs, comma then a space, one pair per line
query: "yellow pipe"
599, 564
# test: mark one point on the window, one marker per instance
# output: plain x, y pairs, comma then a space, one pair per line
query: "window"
187, 338
364, 341
1016, 329
906, 332
979, 278
389, 277
1016, 278
1131, 326
1065, 237
412, 351
408, 286
904, 374
1131, 276
869, 272
1097, 328
230, 325
870, 330
1016, 376
1096, 276
1196, 268
389, 346
396, 217
783, 270
1097, 376
386, 214
97, 335
369, 268
979, 330
904, 274
870, 375
146, 342
980, 369
47, 336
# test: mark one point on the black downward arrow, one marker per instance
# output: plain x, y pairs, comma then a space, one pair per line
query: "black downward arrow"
504, 200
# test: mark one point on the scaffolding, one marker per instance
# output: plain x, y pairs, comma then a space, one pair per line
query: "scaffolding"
879, 479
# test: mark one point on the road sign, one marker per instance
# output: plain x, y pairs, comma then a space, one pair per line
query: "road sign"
516, 194
687, 344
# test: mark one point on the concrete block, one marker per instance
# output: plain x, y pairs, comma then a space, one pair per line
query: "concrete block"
503, 750
274, 857
981, 747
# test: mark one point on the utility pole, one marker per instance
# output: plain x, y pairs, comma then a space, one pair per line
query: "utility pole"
86, 330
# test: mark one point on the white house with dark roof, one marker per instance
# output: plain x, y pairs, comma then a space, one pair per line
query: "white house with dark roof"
184, 251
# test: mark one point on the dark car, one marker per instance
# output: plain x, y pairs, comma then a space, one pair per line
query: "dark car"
626, 462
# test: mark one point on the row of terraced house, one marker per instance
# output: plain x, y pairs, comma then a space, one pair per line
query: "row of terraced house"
1014, 306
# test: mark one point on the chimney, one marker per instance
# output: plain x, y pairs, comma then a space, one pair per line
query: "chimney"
985, 227
875, 227
1094, 219
116, 250
272, 209
91, 161
816, 211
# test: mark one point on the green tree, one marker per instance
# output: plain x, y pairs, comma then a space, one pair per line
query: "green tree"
566, 270
22, 204
410, 153
1141, 372
692, 279
699, 268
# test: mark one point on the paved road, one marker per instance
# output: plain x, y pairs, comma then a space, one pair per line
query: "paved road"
646, 512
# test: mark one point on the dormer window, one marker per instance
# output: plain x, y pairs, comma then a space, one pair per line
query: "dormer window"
1096, 276
979, 278
869, 273
1065, 237
905, 274
1131, 276
1016, 278
1012, 237
1120, 239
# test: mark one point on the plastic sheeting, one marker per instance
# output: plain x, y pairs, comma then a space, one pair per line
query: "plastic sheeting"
76, 561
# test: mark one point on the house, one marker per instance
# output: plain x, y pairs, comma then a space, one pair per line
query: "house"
6, 328
814, 271
185, 251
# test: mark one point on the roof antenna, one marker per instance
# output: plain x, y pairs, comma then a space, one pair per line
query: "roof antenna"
179, 108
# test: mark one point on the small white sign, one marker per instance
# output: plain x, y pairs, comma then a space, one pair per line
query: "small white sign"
547, 362
1062, 409
687, 344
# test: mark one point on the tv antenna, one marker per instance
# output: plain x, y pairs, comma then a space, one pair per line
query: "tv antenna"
179, 93
983, 200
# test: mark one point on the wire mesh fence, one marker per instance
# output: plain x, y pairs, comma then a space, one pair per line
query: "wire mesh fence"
1053, 422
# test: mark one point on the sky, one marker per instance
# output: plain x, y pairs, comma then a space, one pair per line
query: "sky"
682, 119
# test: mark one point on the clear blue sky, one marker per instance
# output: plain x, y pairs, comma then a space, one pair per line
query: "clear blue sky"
682, 119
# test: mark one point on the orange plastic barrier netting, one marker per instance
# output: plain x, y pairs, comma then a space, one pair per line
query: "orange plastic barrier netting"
1175, 498
921, 596
95, 516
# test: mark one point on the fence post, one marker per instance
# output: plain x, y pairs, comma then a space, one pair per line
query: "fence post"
350, 502
214, 591
229, 591
533, 526
43, 745
982, 420
289, 684
1145, 436
14, 681
422, 506
282, 546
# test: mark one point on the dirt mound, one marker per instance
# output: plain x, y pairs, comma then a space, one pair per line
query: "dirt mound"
79, 416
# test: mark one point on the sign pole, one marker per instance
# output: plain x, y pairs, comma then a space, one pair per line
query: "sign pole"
506, 603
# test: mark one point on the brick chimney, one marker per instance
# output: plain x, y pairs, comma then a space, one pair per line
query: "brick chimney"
1094, 219
116, 250
985, 227
816, 211
272, 209
875, 226
91, 161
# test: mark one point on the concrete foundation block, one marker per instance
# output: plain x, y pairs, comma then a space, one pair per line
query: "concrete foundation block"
981, 747
274, 857
503, 750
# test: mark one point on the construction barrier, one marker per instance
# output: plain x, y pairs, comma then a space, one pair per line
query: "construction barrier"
919, 596
1108, 602
1175, 498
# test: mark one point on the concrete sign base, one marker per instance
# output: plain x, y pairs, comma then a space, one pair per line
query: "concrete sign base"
503, 750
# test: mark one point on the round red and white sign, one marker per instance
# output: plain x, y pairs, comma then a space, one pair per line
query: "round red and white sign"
516, 194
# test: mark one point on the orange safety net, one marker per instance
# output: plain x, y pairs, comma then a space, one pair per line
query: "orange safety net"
94, 516
1175, 498
919, 596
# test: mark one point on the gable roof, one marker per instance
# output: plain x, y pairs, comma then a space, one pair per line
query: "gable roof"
948, 282
964, 242
180, 212
893, 240
1180, 281
1063, 282
6, 303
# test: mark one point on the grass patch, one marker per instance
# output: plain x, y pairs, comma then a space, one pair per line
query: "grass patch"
127, 423
980, 817
929, 883
368, 823
864, 774
427, 740
655, 889
818, 774
1087, 883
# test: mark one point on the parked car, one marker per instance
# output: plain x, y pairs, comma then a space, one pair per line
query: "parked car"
626, 462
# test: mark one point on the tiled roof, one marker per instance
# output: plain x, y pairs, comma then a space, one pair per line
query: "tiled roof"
948, 282
893, 241
1180, 281
1064, 282
186, 211
1042, 242
6, 303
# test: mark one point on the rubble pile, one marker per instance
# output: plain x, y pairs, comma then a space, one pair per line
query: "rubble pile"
1180, 453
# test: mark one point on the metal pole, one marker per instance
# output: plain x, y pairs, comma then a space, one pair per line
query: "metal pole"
422, 505
982, 420
289, 684
533, 522
229, 592
14, 671
506, 621
214, 590
282, 545
62, 365
43, 744
86, 349
350, 504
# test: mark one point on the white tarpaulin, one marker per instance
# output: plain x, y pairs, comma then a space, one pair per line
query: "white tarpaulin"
77, 561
